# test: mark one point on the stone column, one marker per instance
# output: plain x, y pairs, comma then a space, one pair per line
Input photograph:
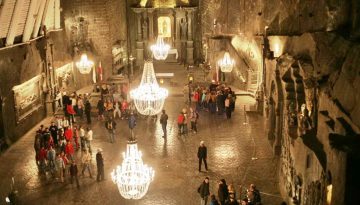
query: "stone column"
151, 24
139, 42
179, 14
190, 42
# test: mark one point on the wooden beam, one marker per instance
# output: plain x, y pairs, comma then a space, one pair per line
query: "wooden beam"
30, 20
35, 32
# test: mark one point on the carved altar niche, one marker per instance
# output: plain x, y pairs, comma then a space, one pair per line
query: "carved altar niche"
65, 77
27, 98
164, 25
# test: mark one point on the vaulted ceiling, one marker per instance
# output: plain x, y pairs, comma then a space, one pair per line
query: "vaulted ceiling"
23, 19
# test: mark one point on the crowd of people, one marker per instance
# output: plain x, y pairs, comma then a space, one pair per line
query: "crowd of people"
227, 194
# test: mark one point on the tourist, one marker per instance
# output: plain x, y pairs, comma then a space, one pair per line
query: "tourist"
59, 167
54, 132
231, 201
110, 125
42, 159
213, 200
204, 191
71, 112
82, 138
163, 121
223, 192
88, 111
228, 110
69, 150
86, 162
76, 137
244, 201
255, 195
117, 109
89, 138
180, 122
99, 165
132, 124
185, 121
51, 154
74, 173
232, 192
194, 115
80, 106
202, 155
101, 109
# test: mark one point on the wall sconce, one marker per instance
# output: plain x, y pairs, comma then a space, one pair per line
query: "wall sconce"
161, 81
276, 50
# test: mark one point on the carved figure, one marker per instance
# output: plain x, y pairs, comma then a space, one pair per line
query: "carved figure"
145, 29
183, 29
304, 120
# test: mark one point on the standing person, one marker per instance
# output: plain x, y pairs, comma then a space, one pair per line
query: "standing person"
180, 122
82, 138
101, 109
89, 138
80, 106
228, 106
59, 167
71, 112
202, 155
86, 162
74, 174
204, 191
37, 147
132, 124
185, 122
99, 165
88, 111
110, 125
65, 101
76, 137
51, 154
54, 131
223, 192
163, 121
69, 150
256, 200
194, 115
117, 109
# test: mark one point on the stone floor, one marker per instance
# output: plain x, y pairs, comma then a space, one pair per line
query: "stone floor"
238, 151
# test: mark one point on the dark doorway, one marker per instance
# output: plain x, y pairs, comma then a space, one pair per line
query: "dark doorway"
352, 188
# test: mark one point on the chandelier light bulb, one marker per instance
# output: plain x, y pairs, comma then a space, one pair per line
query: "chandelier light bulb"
132, 177
149, 98
226, 64
84, 65
160, 50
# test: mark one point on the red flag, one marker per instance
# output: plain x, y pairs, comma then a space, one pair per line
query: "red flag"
100, 72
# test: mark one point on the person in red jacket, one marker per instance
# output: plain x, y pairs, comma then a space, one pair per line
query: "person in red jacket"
68, 134
180, 121
71, 113
69, 150
42, 159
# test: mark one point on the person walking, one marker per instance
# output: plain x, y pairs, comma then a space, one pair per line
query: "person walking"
180, 122
204, 191
54, 131
82, 138
163, 121
86, 162
223, 192
99, 165
59, 167
194, 115
89, 138
51, 154
117, 109
101, 109
80, 106
132, 124
88, 111
228, 109
110, 125
202, 155
74, 174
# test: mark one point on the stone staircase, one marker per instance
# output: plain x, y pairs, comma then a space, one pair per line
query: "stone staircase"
253, 84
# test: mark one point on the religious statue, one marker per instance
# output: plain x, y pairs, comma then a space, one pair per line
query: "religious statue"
165, 28
304, 120
183, 29
145, 29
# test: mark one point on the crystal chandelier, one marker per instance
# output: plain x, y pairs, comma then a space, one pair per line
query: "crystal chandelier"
132, 177
160, 50
226, 64
149, 98
84, 65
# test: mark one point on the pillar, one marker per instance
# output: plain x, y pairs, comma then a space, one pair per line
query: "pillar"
139, 42
190, 42
151, 24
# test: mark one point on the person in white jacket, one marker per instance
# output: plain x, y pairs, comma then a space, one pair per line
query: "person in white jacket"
89, 138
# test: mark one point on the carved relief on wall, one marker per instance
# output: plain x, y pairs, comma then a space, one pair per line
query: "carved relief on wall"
164, 26
27, 98
65, 77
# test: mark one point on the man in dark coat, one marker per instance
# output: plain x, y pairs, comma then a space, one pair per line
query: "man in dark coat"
202, 155
88, 111
74, 173
163, 121
65, 101
223, 192
132, 124
99, 165
204, 191
54, 131
110, 125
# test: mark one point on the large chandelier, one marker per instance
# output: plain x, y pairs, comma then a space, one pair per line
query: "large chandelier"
132, 177
84, 65
226, 64
149, 98
160, 50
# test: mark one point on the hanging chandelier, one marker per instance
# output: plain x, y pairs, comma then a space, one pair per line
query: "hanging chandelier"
84, 65
149, 98
226, 64
132, 177
160, 50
